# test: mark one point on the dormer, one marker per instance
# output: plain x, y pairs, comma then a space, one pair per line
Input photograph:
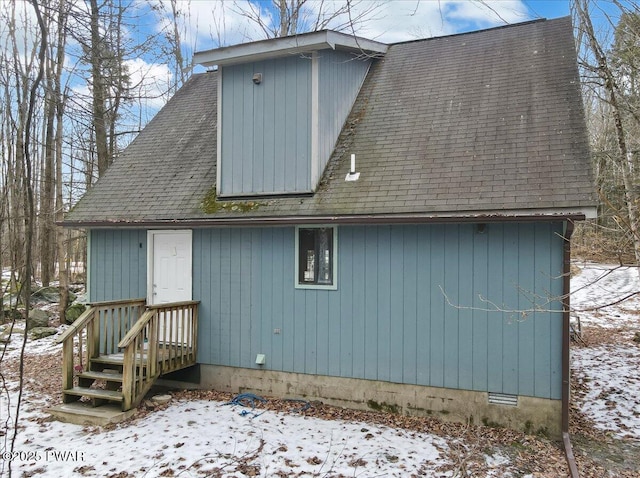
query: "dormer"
281, 106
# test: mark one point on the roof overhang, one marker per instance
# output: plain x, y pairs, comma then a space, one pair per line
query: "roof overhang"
291, 45
415, 218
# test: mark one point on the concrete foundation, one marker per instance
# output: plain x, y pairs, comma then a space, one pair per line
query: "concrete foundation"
531, 415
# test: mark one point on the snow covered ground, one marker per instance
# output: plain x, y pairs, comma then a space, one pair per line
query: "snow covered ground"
208, 438
202, 438
597, 286
611, 371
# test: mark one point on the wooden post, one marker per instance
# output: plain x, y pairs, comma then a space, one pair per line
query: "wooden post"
67, 368
127, 378
93, 336
194, 345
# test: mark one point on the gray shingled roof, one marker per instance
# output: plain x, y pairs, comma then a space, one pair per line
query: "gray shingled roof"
489, 122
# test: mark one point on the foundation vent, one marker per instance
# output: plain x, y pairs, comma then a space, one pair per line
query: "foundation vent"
503, 399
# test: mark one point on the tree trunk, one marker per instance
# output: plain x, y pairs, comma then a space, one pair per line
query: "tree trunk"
99, 96
47, 186
61, 233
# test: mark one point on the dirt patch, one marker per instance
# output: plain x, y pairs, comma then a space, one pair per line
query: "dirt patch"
594, 336
613, 457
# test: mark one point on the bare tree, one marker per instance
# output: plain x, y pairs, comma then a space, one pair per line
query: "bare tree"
99, 93
60, 100
607, 87
46, 191
299, 16
29, 217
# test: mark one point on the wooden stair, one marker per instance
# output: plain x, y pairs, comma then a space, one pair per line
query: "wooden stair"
103, 371
124, 346
95, 393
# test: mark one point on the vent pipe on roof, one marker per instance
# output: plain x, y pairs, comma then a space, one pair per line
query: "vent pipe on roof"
352, 175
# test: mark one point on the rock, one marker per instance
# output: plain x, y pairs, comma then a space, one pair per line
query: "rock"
636, 338
42, 332
161, 399
73, 312
37, 318
9, 315
46, 294
50, 294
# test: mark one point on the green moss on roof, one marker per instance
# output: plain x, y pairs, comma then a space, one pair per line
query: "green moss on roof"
211, 205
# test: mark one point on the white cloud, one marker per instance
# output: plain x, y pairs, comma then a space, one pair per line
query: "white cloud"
26, 30
211, 24
149, 81
488, 13
407, 20
149, 85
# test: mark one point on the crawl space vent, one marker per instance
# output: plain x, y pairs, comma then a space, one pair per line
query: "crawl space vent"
503, 399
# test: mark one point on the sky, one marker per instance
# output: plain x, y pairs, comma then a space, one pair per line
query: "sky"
206, 24
211, 22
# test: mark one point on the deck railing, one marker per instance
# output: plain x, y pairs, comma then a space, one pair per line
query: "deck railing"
152, 340
164, 339
98, 331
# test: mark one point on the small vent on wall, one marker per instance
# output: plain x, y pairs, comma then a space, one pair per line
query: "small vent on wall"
503, 399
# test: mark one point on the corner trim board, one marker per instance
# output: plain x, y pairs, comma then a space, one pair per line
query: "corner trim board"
314, 120
219, 134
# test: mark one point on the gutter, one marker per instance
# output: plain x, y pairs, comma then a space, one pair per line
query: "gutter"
325, 219
566, 365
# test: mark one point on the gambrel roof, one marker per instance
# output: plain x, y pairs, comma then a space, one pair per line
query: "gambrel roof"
486, 124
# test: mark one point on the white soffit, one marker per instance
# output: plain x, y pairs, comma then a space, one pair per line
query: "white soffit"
296, 44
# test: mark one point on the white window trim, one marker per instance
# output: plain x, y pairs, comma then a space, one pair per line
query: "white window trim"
333, 286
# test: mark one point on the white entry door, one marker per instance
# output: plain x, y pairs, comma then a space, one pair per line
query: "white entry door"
170, 270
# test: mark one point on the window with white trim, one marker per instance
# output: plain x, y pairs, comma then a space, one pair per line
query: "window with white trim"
316, 257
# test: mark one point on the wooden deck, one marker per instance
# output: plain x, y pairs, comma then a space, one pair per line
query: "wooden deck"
115, 351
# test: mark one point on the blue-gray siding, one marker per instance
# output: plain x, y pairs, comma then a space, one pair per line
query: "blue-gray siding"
266, 140
340, 78
117, 264
390, 318
266, 129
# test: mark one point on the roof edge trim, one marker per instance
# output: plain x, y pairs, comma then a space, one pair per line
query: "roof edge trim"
574, 214
283, 46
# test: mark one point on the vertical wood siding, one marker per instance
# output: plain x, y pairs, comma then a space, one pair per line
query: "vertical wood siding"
340, 78
118, 264
266, 139
411, 306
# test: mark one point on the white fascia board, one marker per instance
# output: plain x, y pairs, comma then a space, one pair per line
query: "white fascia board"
591, 212
277, 47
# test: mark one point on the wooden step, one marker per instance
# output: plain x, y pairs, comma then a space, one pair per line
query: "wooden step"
110, 377
84, 414
111, 359
115, 359
95, 393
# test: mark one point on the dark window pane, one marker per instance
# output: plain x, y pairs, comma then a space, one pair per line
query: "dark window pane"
315, 260
324, 241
